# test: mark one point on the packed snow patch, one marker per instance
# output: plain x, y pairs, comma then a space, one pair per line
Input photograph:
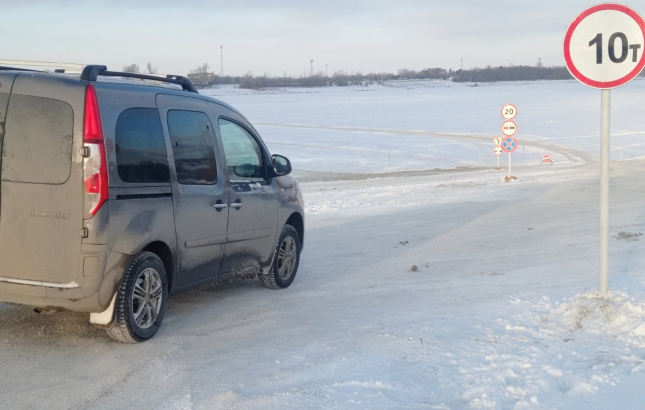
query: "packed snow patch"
614, 315
573, 347
371, 385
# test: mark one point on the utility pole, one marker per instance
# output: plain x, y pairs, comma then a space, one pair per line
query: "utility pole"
221, 54
312, 68
326, 71
462, 64
539, 62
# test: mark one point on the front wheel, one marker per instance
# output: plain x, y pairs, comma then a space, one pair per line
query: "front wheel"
140, 301
285, 261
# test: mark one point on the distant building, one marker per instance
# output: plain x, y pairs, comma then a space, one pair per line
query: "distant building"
202, 79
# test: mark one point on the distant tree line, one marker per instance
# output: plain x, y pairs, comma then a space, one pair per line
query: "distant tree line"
203, 77
513, 73
342, 78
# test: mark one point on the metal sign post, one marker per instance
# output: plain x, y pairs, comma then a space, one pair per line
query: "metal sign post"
509, 144
603, 48
497, 150
604, 190
509, 128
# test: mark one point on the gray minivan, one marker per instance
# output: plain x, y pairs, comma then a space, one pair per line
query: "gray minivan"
115, 193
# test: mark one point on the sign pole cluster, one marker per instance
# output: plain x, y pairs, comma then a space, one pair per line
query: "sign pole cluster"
509, 128
603, 49
497, 150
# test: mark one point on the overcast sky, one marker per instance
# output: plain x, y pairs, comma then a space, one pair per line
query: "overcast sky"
278, 36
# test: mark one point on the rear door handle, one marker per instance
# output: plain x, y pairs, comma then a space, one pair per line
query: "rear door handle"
237, 204
219, 205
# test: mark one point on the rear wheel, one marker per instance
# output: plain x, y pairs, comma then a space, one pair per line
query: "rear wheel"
285, 261
141, 300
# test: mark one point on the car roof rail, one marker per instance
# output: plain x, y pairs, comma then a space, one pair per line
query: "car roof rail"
92, 72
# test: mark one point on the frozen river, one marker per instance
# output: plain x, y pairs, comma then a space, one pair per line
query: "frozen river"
564, 113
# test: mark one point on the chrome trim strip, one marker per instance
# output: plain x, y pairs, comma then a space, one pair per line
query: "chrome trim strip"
70, 285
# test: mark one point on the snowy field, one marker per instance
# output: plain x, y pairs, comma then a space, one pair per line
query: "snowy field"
467, 116
420, 290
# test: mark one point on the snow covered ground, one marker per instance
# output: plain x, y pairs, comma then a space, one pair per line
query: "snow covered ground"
419, 289
556, 112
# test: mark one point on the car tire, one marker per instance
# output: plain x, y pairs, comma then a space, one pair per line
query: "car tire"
140, 301
285, 260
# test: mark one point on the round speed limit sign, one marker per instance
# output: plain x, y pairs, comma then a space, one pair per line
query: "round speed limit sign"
604, 46
509, 111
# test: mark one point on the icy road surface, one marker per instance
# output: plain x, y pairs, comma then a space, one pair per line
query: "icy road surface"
499, 314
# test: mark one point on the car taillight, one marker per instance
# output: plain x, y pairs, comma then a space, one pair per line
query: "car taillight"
94, 159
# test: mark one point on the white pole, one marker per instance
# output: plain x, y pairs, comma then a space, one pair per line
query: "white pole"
498, 161
604, 191
509, 166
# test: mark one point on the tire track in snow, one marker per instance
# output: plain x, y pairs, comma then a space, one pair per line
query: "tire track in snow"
572, 154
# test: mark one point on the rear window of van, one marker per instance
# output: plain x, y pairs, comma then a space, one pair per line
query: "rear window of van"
37, 145
140, 147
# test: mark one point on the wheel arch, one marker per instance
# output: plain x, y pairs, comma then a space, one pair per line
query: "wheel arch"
163, 251
297, 221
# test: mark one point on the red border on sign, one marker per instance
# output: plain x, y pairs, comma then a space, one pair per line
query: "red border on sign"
502, 128
514, 139
502, 111
567, 44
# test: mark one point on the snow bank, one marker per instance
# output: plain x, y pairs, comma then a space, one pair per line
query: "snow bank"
553, 350
615, 315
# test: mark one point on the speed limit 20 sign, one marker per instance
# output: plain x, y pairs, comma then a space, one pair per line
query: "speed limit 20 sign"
509, 111
603, 47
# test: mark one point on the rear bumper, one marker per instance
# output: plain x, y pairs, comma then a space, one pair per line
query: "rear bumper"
87, 294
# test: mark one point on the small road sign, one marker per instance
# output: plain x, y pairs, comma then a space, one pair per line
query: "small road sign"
497, 140
604, 46
509, 111
546, 160
509, 144
498, 150
509, 128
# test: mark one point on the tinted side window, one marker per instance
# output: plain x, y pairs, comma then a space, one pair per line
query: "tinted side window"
140, 148
243, 154
192, 147
38, 140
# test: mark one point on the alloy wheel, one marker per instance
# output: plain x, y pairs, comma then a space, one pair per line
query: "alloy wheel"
287, 255
146, 298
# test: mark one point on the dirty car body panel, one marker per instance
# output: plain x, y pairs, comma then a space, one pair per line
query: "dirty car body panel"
177, 184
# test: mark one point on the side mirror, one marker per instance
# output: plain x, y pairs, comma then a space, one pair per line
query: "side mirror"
281, 165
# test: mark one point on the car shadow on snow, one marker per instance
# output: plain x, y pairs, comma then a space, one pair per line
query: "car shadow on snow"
22, 325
